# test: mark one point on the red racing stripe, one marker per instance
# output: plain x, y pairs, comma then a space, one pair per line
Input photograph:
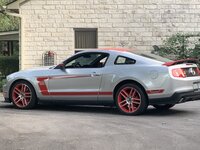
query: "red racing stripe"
105, 93
155, 91
42, 85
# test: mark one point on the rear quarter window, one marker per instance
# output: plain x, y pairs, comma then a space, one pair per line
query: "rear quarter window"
122, 60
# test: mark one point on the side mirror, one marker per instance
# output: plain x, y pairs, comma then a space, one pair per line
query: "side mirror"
61, 67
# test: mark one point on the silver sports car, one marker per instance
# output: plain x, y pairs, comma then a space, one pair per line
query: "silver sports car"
131, 81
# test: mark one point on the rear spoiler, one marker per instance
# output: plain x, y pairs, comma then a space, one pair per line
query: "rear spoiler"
182, 61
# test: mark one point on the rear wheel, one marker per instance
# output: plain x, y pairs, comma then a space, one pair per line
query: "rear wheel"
164, 106
131, 100
23, 95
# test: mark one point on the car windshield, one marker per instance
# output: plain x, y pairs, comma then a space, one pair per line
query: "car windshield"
151, 56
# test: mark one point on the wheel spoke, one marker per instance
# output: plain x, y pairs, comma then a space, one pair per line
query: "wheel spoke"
17, 91
136, 99
24, 87
25, 101
133, 95
135, 102
16, 100
130, 93
122, 102
27, 95
124, 96
124, 93
132, 107
129, 108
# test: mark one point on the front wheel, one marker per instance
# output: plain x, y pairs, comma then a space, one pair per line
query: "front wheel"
23, 95
164, 106
131, 100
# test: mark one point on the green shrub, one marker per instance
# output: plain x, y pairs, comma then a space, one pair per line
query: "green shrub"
8, 65
180, 46
2, 82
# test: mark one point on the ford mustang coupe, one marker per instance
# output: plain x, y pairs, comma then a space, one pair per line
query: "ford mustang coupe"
129, 81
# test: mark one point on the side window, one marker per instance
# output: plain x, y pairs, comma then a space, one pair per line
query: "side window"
88, 60
121, 60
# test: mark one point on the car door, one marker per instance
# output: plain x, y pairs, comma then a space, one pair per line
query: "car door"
81, 79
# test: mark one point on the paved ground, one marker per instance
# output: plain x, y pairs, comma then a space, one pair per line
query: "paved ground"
99, 128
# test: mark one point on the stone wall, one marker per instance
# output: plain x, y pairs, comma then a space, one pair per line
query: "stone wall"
48, 24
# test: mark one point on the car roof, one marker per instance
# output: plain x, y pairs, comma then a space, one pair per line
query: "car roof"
125, 52
108, 50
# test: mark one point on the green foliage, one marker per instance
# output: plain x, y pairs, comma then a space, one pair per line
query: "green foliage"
178, 46
8, 23
2, 2
2, 82
8, 65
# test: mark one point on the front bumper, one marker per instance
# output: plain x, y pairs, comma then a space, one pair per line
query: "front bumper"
176, 98
6, 94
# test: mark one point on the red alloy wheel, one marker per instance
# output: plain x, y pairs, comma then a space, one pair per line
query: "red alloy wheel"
21, 95
129, 99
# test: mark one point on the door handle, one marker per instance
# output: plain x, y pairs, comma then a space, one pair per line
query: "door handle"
94, 74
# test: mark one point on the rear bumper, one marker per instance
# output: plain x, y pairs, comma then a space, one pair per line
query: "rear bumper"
177, 98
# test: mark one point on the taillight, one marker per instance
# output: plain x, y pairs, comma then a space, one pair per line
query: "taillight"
179, 73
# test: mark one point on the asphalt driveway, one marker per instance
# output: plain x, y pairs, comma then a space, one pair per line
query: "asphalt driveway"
58, 127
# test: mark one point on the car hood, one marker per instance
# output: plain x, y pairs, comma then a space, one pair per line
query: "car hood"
39, 71
40, 68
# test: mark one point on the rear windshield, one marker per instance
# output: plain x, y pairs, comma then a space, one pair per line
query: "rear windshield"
152, 56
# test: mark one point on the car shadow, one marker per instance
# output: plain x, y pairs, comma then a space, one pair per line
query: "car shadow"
66, 108
93, 109
171, 112
100, 109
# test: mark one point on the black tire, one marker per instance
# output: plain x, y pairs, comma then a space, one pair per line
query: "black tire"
164, 106
23, 95
133, 101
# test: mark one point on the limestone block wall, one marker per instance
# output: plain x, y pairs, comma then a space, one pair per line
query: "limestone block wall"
49, 24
